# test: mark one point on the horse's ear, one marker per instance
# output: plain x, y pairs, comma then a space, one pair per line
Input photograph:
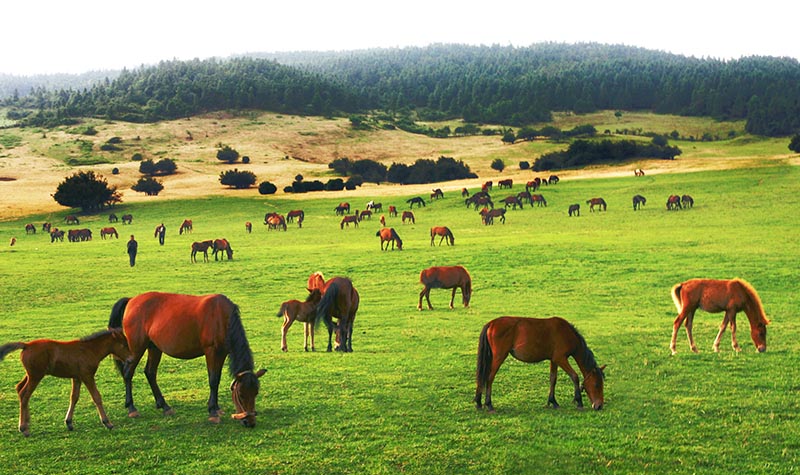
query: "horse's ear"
603, 368
260, 373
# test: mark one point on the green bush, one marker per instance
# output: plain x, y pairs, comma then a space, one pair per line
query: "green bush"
237, 179
267, 188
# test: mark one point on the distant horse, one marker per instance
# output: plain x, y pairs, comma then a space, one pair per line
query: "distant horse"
533, 185
388, 235
464, 192
201, 246
523, 196
553, 180
77, 360
109, 232
366, 214
220, 245
638, 172
713, 296
186, 226
79, 235
12, 241
383, 220
248, 227
46, 227
187, 327
350, 218
416, 201
71, 219
512, 201
127, 218
687, 201
112, 218
339, 300
305, 312
436, 194
532, 340
539, 200
30, 229
56, 234
408, 215
575, 209
673, 202
445, 234
599, 202
374, 207
488, 215
276, 221
392, 210
295, 213
342, 209
487, 186
638, 201
445, 277
508, 183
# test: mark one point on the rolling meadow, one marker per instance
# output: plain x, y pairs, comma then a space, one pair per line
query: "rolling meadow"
402, 401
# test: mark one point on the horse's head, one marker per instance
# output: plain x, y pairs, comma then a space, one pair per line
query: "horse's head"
119, 345
758, 332
593, 385
314, 295
244, 390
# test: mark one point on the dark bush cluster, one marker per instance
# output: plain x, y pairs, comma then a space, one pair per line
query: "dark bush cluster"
583, 152
165, 166
267, 188
429, 171
148, 185
237, 179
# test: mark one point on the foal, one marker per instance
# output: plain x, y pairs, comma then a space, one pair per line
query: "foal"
77, 360
305, 312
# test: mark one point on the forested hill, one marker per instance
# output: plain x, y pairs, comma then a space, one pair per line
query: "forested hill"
486, 84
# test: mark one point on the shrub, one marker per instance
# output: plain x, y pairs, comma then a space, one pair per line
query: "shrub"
497, 164
137, 157
226, 154
524, 165
237, 179
115, 171
245, 159
148, 185
85, 190
335, 184
267, 188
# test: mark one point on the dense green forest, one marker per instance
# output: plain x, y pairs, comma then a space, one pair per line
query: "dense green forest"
482, 84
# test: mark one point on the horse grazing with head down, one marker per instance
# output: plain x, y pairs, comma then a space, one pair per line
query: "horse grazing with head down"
445, 277
574, 210
673, 203
408, 216
638, 201
187, 327
109, 232
186, 226
220, 245
417, 200
599, 202
350, 218
77, 360
388, 235
445, 234
532, 340
713, 296
305, 312
340, 300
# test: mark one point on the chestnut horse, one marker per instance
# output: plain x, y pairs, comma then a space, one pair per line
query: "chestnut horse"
714, 296
201, 246
305, 312
187, 327
388, 235
77, 360
186, 226
408, 215
445, 277
339, 300
220, 245
109, 232
532, 340
599, 202
445, 233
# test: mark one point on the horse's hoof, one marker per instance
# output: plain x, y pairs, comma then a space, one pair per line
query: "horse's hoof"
108, 425
69, 425
25, 432
133, 414
284, 350
214, 419
169, 411
695, 350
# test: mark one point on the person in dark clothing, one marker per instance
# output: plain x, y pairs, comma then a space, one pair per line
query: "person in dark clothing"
133, 246
161, 231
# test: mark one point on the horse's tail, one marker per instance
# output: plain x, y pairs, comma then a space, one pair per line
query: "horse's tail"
324, 305
117, 311
9, 347
484, 358
282, 310
755, 300
676, 296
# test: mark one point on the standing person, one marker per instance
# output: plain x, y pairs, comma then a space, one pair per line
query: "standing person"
161, 231
133, 246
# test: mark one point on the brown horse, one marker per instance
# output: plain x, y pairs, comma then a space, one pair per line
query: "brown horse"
445, 277
445, 233
109, 232
436, 194
187, 327
599, 202
339, 300
383, 220
186, 226
77, 360
392, 210
342, 209
201, 246
687, 201
507, 183
417, 200
532, 340
295, 213
512, 201
305, 312
389, 235
276, 221
488, 215
248, 227
575, 209
350, 218
72, 219
408, 215
366, 214
673, 202
112, 218
220, 245
127, 218
713, 296
638, 172
30, 228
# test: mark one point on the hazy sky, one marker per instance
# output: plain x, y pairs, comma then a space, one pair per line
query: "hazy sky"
72, 36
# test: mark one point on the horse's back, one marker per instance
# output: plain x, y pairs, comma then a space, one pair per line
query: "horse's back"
444, 276
714, 295
533, 339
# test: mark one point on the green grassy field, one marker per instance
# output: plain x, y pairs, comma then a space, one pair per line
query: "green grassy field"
402, 401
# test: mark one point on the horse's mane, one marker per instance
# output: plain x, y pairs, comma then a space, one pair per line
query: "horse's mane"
95, 335
241, 357
754, 301
396, 237
587, 359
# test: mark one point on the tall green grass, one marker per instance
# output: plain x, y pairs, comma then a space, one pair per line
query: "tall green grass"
402, 401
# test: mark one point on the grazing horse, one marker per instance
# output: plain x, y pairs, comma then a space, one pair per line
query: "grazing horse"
383, 220
673, 202
339, 300
575, 209
12, 241
77, 360
532, 340
714, 296
127, 218
539, 200
638, 201
533, 185
479, 199
512, 201
416, 200
389, 235
295, 213
186, 226
687, 201
508, 183
638, 172
436, 194
553, 180
487, 186
248, 227
220, 245
112, 218
408, 215
599, 202
445, 277
201, 246
46, 227
305, 312
187, 327
366, 214
109, 232
30, 228
523, 196
464, 193
56, 234
342, 209
392, 210
275, 221
71, 219
445, 234
488, 215
350, 218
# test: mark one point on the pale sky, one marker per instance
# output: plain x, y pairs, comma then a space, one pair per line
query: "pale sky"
74, 36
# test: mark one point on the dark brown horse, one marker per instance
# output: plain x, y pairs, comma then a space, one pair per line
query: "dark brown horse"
575, 209
445, 277
638, 201
673, 203
488, 215
127, 218
392, 210
339, 300
445, 234
203, 247
436, 194
30, 228
713, 296
507, 183
532, 340
512, 201
305, 312
342, 209
77, 360
72, 219
112, 218
186, 226
350, 218
388, 235
187, 327
295, 213
417, 200
408, 216
687, 201
539, 200
248, 227
220, 245
599, 202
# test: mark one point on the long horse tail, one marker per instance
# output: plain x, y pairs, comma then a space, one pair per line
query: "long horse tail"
117, 311
324, 305
676, 296
754, 300
9, 347
484, 358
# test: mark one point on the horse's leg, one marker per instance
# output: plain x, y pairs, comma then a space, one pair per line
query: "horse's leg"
24, 390
214, 360
498, 357
675, 326
722, 328
421, 295
306, 334
564, 364
128, 369
151, 372
287, 322
453, 296
96, 398
689, 323
734, 343
73, 400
